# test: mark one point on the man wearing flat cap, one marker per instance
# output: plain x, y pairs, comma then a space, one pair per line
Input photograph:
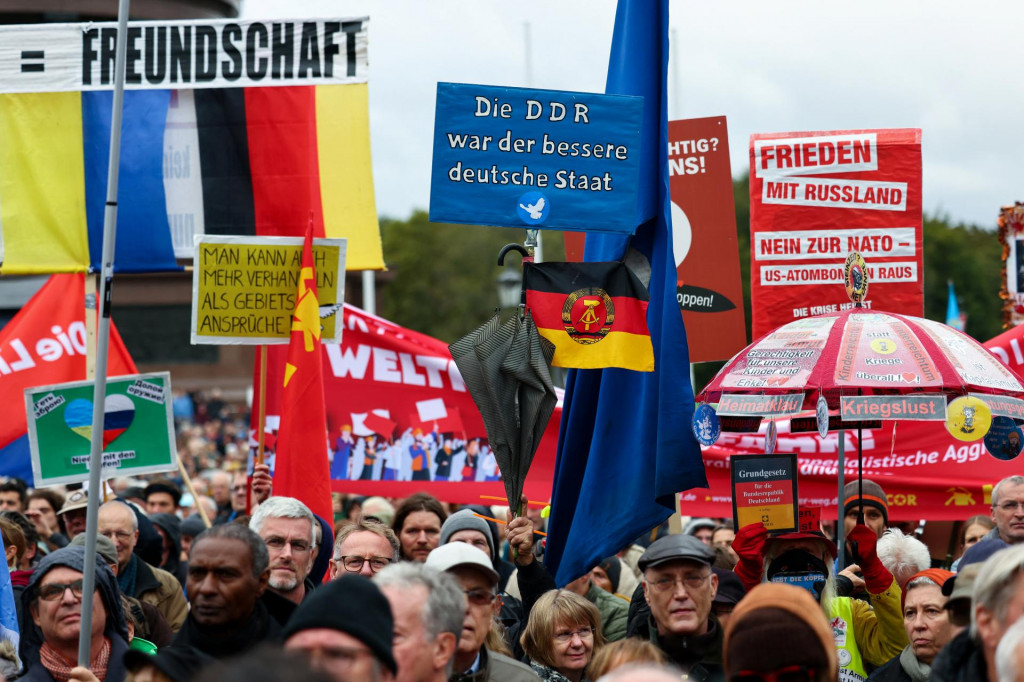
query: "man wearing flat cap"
346, 629
679, 586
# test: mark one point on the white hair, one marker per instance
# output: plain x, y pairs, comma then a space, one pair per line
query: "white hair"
379, 508
283, 507
902, 555
1006, 652
995, 584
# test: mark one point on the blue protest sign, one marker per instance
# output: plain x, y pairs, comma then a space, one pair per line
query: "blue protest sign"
548, 159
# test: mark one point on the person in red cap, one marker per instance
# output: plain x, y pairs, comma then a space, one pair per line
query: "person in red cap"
866, 633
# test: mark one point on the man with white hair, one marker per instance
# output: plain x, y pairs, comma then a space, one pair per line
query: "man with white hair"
428, 607
997, 602
1010, 654
1008, 514
287, 526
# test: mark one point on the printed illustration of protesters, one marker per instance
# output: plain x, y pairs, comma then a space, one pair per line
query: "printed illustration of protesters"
472, 457
343, 447
443, 459
490, 465
420, 457
390, 459
369, 457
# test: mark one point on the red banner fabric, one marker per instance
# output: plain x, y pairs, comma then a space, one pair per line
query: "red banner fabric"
383, 373
710, 291
925, 472
45, 344
301, 467
817, 196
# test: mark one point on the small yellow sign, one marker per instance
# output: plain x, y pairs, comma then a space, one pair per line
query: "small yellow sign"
244, 288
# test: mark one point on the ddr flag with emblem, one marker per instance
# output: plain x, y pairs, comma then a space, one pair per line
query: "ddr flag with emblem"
301, 468
594, 313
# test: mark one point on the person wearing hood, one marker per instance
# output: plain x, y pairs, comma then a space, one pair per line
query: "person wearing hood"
701, 528
777, 633
49, 646
169, 527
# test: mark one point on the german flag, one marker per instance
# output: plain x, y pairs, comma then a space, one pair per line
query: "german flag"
594, 313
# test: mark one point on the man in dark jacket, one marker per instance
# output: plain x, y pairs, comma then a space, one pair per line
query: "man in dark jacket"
49, 647
679, 587
228, 571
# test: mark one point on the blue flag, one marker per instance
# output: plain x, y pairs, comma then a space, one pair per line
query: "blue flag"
625, 447
953, 317
8, 613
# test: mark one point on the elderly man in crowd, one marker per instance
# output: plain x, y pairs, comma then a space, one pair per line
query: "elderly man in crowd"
287, 526
228, 571
428, 607
346, 629
479, 581
147, 583
998, 602
49, 647
1008, 514
363, 547
679, 587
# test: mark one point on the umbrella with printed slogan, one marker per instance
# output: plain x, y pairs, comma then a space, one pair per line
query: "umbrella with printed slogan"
868, 366
506, 368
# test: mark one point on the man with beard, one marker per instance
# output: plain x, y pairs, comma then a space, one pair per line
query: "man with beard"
286, 526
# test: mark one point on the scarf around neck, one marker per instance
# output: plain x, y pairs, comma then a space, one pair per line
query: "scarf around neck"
913, 667
60, 667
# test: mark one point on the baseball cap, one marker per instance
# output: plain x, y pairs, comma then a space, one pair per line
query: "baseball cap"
77, 499
675, 548
447, 557
961, 585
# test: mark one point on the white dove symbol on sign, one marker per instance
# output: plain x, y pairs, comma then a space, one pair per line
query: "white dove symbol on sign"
535, 210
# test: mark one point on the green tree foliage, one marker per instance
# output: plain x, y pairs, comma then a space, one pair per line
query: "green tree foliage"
968, 255
442, 277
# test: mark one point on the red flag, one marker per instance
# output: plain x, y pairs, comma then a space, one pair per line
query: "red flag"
301, 469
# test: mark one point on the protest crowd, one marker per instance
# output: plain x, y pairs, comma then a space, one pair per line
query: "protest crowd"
416, 590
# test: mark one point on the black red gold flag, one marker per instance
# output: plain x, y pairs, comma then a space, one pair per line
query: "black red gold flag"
594, 313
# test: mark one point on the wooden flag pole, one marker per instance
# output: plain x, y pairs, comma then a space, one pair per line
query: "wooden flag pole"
195, 497
261, 422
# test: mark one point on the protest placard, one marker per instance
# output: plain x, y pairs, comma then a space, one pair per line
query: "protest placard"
519, 157
244, 288
817, 196
764, 490
138, 428
709, 287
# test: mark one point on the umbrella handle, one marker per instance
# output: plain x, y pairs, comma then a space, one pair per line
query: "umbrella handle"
511, 247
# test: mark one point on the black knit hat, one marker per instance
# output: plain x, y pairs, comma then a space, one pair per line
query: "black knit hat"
354, 605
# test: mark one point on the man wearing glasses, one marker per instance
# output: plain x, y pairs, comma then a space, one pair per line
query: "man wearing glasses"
479, 581
1008, 513
49, 646
365, 548
136, 578
286, 526
679, 587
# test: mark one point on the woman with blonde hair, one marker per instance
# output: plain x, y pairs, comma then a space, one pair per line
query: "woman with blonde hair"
617, 654
561, 636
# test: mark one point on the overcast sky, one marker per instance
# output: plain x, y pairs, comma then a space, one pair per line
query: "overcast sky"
952, 69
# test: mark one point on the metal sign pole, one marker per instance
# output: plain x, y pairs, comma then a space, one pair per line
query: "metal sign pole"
102, 342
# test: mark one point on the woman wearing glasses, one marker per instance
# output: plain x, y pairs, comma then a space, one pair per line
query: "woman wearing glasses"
562, 635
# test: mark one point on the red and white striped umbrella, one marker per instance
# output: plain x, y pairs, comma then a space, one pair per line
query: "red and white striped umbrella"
863, 352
